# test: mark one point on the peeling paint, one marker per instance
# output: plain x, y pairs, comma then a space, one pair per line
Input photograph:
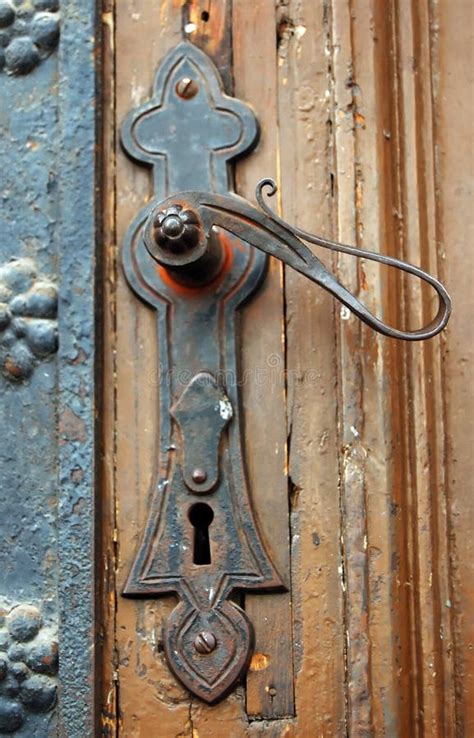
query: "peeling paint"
259, 662
225, 409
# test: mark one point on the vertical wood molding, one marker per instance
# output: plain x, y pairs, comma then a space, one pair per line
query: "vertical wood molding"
424, 420
452, 49
398, 659
353, 459
269, 689
369, 529
107, 673
305, 141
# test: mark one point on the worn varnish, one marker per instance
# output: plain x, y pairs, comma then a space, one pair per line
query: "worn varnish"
305, 177
452, 56
269, 690
356, 446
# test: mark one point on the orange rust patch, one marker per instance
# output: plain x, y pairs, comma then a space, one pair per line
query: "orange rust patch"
13, 369
198, 291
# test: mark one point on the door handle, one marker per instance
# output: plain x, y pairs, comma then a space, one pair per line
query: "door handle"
179, 234
195, 253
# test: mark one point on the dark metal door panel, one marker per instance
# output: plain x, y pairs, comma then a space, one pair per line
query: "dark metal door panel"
47, 262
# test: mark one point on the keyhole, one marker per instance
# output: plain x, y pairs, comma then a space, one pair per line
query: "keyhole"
201, 516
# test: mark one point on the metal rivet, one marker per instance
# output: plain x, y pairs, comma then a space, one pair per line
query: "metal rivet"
205, 642
187, 88
199, 476
272, 691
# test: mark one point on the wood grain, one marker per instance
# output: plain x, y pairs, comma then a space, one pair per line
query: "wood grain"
269, 689
400, 553
367, 364
305, 178
424, 423
107, 673
452, 33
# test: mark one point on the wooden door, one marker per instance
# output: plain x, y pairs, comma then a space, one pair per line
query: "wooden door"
356, 445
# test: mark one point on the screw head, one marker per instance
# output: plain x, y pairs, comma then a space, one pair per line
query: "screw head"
187, 88
205, 642
199, 476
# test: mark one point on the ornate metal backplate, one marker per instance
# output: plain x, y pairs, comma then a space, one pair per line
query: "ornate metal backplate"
201, 540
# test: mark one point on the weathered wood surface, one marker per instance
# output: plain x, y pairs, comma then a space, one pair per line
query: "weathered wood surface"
305, 179
269, 689
363, 107
453, 57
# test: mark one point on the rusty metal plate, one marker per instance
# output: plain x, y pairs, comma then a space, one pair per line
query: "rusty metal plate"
201, 540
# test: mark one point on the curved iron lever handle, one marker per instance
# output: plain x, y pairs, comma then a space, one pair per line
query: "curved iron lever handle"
179, 234
330, 283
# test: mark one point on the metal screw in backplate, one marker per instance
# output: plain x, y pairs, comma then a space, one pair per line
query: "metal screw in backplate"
205, 642
187, 88
199, 476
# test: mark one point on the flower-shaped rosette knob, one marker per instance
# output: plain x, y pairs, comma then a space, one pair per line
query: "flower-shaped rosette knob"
173, 235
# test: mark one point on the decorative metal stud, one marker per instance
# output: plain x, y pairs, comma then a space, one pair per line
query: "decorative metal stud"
28, 325
29, 33
28, 664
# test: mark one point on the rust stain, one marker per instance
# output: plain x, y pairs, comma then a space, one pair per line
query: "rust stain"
72, 427
49, 562
50, 658
32, 145
12, 369
80, 358
199, 291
